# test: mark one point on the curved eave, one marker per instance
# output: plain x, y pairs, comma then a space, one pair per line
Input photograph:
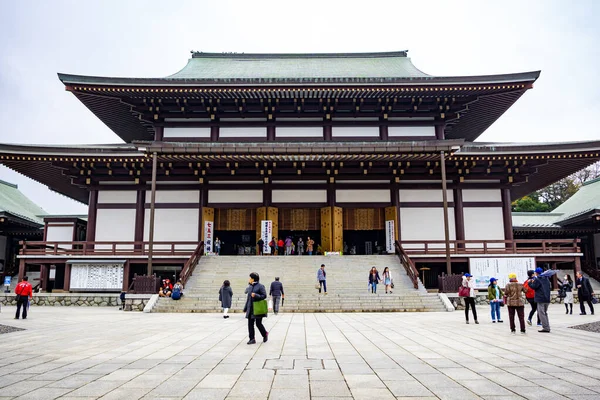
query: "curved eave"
532, 76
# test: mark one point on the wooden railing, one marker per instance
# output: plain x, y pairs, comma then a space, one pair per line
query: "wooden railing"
191, 263
408, 265
590, 269
517, 246
174, 249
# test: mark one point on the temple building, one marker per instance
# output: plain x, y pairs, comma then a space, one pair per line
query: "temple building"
356, 151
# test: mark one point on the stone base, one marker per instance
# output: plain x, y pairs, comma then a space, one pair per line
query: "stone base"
133, 302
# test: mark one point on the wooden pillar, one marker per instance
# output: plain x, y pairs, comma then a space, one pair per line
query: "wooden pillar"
330, 194
201, 204
267, 194
554, 278
271, 133
507, 214
22, 269
440, 127
140, 211
92, 213
383, 130
159, 133
261, 215
446, 224
214, 133
43, 277
273, 215
459, 217
126, 269
577, 266
337, 226
152, 205
67, 282
327, 135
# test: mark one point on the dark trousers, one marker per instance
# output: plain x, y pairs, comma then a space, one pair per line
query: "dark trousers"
582, 306
470, 302
511, 317
22, 302
259, 325
533, 305
324, 285
276, 301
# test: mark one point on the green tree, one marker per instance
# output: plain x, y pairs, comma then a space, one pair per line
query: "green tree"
529, 204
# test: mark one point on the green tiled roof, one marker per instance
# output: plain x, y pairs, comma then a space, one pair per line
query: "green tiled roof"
16, 203
535, 220
586, 199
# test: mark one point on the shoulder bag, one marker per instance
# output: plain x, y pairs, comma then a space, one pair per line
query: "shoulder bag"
260, 308
464, 291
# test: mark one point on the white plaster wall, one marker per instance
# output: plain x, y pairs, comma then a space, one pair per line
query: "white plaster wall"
482, 195
175, 196
300, 131
59, 233
173, 225
117, 196
425, 224
235, 196
260, 132
429, 195
189, 132
355, 131
484, 223
115, 226
396, 131
363, 196
299, 196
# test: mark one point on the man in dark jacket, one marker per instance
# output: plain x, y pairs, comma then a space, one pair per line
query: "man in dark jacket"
541, 284
256, 292
584, 293
276, 292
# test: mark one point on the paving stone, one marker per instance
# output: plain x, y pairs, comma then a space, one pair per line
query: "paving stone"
408, 388
329, 388
207, 394
290, 382
370, 394
325, 375
44, 394
214, 381
364, 381
288, 394
124, 393
96, 388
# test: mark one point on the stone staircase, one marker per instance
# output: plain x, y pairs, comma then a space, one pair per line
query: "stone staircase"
347, 281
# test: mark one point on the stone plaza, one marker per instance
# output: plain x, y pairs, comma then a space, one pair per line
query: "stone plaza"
91, 353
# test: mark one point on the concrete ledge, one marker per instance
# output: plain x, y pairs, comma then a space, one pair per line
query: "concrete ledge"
446, 301
151, 303
133, 302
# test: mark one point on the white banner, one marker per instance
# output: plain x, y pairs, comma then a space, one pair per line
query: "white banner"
483, 269
208, 237
266, 233
390, 236
97, 276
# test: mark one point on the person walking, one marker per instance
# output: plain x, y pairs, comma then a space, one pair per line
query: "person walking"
280, 247
309, 245
256, 292
217, 246
300, 247
288, 246
387, 279
514, 291
24, 293
585, 292
374, 279
273, 245
225, 296
495, 295
530, 297
566, 292
261, 246
541, 284
276, 293
468, 286
321, 277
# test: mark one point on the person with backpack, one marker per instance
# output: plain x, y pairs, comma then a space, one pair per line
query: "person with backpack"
177, 290
225, 296
24, 293
467, 292
273, 245
529, 296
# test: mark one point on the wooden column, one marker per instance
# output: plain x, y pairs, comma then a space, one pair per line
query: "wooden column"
327, 135
459, 217
140, 212
201, 204
446, 224
92, 213
577, 266
507, 214
271, 133
326, 229
67, 281
152, 205
214, 133
261, 215
330, 194
43, 277
267, 194
126, 269
273, 215
22, 269
440, 127
383, 130
337, 226
159, 133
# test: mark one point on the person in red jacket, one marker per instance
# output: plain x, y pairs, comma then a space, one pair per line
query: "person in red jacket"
529, 295
24, 292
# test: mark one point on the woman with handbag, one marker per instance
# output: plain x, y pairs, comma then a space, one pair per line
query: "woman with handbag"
387, 279
566, 291
467, 291
256, 307
514, 301
495, 295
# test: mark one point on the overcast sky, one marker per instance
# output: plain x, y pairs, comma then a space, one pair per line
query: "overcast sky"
153, 39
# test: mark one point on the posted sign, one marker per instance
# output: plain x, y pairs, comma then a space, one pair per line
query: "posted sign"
483, 269
208, 237
266, 233
390, 236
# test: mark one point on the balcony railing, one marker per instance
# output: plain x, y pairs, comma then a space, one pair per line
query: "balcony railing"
517, 246
173, 249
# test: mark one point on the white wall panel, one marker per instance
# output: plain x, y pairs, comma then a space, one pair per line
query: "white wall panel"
430, 195
117, 196
483, 223
482, 195
59, 233
398, 131
187, 132
299, 196
175, 196
299, 131
258, 132
235, 196
173, 225
355, 131
363, 196
115, 226
425, 224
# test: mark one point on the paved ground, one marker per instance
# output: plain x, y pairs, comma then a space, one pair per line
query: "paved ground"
103, 353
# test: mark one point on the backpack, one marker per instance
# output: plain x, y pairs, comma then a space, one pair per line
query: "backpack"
176, 294
530, 294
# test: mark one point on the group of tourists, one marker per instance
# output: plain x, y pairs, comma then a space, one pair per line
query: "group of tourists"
537, 291
167, 289
287, 247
